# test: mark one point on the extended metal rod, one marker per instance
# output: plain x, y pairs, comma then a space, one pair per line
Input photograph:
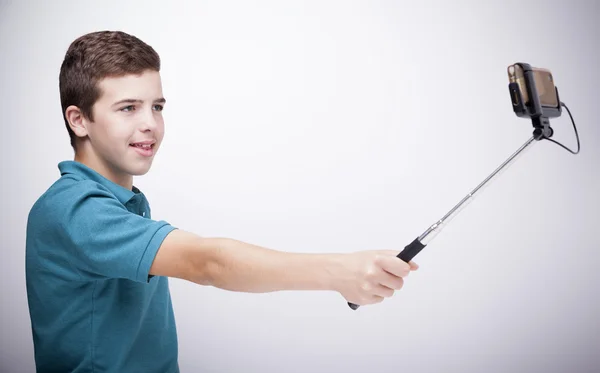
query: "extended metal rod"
420, 242
432, 231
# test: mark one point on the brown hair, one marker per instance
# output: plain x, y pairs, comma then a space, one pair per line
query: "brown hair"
95, 56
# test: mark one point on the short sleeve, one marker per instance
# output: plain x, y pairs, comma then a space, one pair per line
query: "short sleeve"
102, 239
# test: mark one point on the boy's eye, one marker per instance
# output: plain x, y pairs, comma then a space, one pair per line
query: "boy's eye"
156, 107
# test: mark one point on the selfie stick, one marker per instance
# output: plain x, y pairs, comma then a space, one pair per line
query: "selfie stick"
541, 123
423, 240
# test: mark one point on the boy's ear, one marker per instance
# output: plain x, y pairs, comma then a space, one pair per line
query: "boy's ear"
77, 121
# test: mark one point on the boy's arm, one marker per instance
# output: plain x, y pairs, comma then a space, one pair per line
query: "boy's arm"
362, 278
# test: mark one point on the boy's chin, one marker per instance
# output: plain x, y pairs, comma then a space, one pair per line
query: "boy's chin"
139, 173
139, 170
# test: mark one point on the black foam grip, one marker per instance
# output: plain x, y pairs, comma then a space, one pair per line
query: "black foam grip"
409, 252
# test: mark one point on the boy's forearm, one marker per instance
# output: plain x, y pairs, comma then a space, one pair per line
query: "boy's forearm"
238, 266
363, 277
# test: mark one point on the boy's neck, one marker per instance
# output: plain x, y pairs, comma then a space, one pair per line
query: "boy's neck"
124, 180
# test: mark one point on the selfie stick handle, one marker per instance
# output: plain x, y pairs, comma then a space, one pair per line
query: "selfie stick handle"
423, 240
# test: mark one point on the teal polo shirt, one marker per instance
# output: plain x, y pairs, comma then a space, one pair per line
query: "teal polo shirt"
93, 305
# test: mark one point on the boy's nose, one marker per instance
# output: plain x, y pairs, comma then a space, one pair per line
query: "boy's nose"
149, 122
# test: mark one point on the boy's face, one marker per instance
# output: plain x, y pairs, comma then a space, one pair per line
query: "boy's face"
128, 126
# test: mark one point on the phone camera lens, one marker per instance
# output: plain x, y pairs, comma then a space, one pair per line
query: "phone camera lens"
515, 97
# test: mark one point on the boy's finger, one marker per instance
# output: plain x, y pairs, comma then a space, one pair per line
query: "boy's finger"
394, 265
413, 266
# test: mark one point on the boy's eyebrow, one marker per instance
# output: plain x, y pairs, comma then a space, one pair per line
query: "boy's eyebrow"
161, 100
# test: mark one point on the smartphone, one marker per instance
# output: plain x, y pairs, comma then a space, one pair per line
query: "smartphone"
521, 76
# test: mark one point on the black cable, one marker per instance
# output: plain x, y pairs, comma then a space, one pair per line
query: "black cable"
576, 134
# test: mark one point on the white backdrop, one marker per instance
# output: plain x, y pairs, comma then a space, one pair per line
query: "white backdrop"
335, 126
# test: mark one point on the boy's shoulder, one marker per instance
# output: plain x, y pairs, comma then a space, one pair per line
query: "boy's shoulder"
85, 227
72, 188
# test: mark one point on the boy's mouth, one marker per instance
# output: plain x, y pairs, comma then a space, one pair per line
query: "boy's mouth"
142, 146
145, 148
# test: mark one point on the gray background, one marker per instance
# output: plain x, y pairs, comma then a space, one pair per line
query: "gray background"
336, 126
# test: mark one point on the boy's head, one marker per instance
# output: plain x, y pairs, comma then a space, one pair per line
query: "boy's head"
111, 98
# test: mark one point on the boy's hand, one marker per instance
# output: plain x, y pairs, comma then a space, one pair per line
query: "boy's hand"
368, 277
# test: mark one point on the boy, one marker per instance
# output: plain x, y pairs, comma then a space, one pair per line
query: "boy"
98, 264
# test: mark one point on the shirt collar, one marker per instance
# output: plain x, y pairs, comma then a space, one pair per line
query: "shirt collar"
79, 169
